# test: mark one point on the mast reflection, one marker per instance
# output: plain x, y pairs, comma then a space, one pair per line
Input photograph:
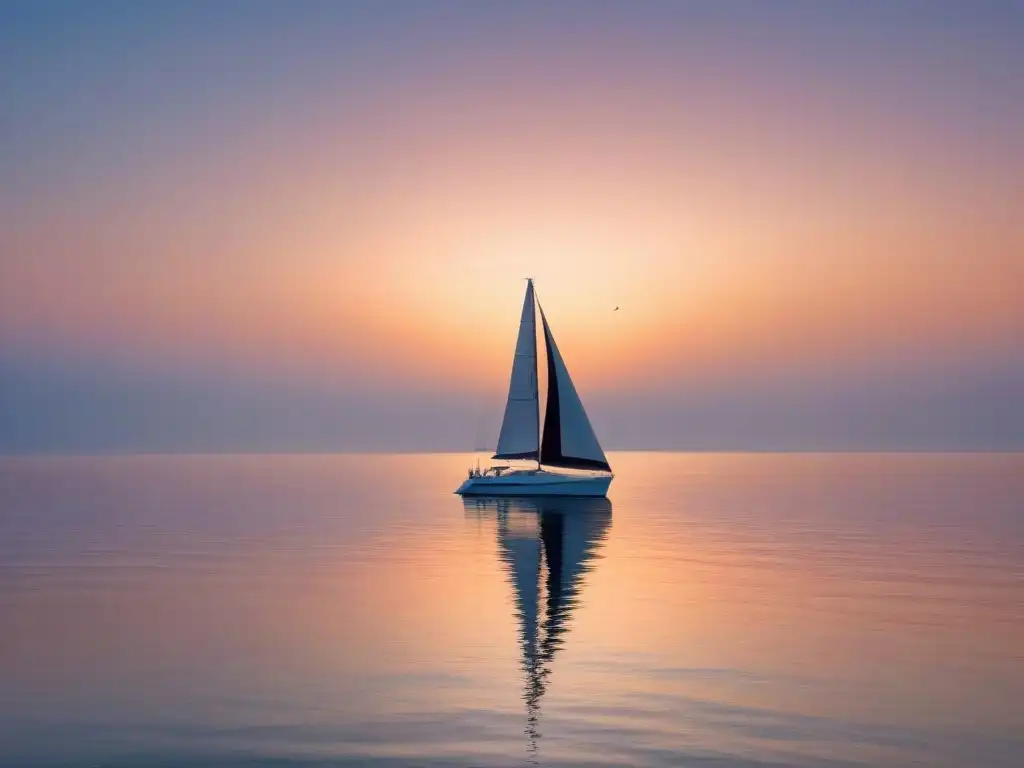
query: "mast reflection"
548, 545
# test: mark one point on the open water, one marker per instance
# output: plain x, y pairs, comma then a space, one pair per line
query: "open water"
717, 610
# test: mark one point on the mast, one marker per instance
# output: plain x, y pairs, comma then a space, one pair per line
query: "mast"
536, 366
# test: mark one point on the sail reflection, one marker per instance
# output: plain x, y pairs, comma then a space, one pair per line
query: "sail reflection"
547, 545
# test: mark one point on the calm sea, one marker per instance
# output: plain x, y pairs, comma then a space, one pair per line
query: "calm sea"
719, 610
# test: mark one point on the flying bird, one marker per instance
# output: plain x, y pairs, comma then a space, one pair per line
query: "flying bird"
615, 310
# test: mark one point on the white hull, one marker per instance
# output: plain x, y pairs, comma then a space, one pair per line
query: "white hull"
535, 483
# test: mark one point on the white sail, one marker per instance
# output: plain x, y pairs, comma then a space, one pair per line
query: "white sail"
569, 440
519, 437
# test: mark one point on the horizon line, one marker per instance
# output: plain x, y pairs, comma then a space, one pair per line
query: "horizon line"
415, 452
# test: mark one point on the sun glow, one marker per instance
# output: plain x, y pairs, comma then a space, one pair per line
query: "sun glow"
740, 217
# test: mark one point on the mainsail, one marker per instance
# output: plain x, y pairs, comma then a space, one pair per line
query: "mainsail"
569, 440
519, 437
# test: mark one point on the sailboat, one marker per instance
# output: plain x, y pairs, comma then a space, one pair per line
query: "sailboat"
569, 459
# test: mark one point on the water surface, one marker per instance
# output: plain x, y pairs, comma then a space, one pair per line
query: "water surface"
725, 610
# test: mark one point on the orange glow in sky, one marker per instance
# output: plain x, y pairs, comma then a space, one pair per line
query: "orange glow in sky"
747, 198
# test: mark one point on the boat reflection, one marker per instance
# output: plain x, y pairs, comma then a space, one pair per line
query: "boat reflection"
548, 545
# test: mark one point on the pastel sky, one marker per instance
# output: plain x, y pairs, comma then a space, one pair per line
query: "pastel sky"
305, 225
